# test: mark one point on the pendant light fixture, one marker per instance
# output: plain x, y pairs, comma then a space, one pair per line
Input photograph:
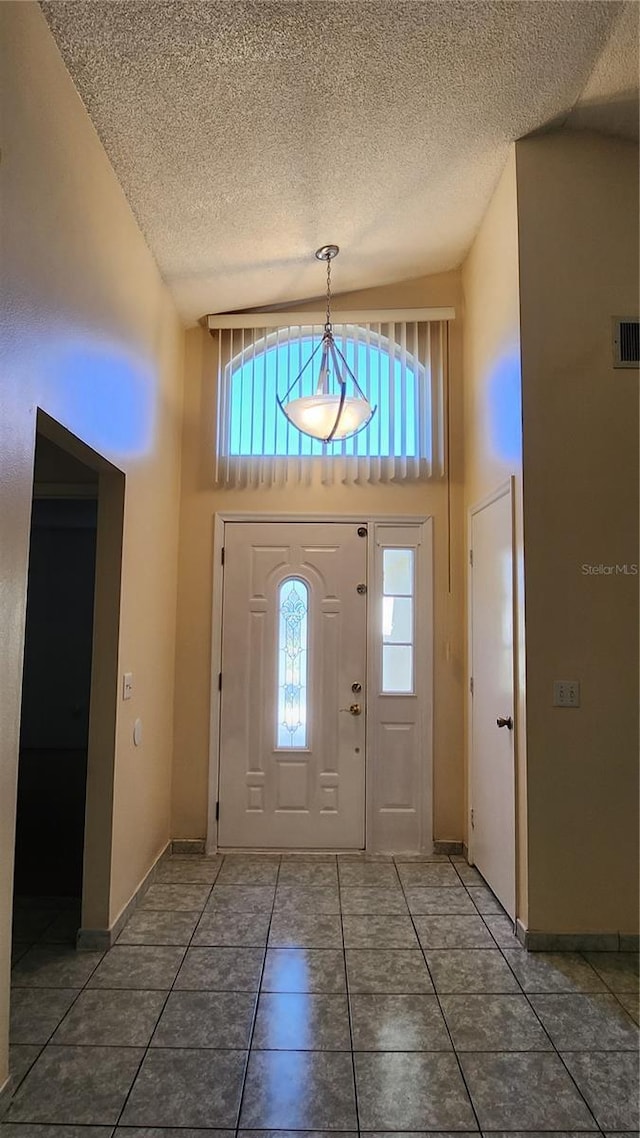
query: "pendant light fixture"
339, 407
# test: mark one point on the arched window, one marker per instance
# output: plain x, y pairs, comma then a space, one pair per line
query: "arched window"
399, 365
293, 611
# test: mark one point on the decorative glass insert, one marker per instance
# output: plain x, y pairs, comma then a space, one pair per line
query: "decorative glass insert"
293, 610
397, 621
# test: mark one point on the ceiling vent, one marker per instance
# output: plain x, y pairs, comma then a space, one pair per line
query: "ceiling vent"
626, 342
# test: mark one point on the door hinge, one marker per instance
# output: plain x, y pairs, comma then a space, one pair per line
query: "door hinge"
219, 681
217, 811
222, 556
471, 685
471, 557
473, 824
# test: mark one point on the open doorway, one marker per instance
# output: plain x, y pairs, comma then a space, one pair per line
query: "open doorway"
54, 726
69, 694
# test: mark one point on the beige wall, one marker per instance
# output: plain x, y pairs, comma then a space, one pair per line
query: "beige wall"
493, 417
578, 221
200, 501
89, 334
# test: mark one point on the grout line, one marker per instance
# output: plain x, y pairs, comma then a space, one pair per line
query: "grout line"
164, 1004
348, 996
257, 1004
444, 1019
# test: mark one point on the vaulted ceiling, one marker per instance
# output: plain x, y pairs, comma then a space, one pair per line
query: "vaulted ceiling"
246, 133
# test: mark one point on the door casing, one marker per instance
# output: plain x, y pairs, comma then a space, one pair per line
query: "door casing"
219, 522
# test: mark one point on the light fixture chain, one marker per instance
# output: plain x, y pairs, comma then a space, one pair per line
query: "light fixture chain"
327, 326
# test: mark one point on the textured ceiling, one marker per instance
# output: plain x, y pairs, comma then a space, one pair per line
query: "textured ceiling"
245, 134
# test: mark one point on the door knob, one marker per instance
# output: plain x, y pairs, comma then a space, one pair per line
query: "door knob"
505, 722
353, 709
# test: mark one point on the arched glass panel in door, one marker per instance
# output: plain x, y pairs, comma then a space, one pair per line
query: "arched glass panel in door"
293, 654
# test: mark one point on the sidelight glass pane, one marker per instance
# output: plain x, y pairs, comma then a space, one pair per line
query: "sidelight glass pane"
293, 608
397, 620
397, 668
397, 572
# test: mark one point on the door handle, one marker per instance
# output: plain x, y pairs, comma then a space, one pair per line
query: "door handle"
501, 721
353, 709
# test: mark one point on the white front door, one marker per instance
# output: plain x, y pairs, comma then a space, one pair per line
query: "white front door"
292, 751
492, 836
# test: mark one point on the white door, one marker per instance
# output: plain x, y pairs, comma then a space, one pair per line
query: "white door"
292, 726
492, 836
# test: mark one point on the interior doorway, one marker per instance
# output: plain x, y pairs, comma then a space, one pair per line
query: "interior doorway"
69, 692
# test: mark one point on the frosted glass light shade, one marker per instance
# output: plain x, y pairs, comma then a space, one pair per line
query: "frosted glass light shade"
316, 415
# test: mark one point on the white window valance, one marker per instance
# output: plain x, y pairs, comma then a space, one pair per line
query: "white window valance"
400, 362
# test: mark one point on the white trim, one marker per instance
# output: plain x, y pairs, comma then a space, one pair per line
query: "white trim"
219, 521
349, 316
507, 487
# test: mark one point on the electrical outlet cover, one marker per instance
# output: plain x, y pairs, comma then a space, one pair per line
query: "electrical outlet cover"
566, 693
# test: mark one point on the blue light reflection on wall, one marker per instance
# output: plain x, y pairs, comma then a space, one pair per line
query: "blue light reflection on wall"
265, 431
504, 410
102, 393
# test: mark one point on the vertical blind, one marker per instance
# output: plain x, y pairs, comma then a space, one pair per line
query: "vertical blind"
400, 364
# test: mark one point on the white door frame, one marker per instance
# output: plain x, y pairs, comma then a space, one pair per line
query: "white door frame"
507, 487
219, 522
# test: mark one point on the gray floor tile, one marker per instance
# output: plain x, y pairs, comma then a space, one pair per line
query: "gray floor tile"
379, 932
42, 1130
397, 1023
149, 927
186, 1087
432, 901
18, 950
399, 1091
76, 1085
307, 899
553, 972
426, 1134
206, 1019
63, 930
112, 1019
428, 875
305, 930
359, 874
470, 970
36, 1012
524, 1091
609, 1082
249, 872
221, 969
52, 966
138, 966
387, 971
167, 1132
493, 1023
302, 1021
619, 970
308, 873
240, 929
468, 874
590, 1022
501, 929
304, 970
176, 898
241, 898
29, 924
188, 871
484, 901
294, 1134
453, 932
22, 1056
306, 1090
371, 901
432, 856
631, 1003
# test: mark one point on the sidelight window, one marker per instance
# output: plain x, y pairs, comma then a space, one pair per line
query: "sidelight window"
398, 621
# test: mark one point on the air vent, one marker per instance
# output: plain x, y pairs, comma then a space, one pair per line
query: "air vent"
626, 342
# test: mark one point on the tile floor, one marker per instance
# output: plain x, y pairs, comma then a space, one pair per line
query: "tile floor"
258, 993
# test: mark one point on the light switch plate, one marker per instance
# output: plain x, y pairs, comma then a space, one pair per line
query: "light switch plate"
127, 685
566, 693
